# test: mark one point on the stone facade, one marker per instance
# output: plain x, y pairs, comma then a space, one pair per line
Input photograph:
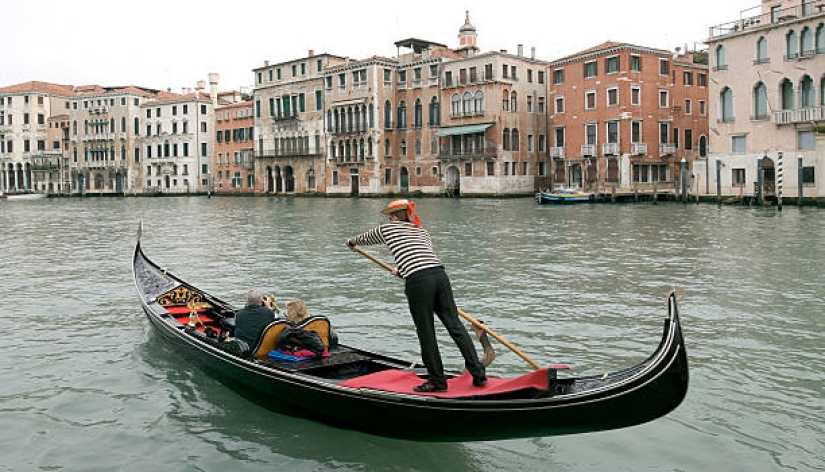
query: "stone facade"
767, 94
27, 152
289, 125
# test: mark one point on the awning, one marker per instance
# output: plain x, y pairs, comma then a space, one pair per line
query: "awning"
467, 129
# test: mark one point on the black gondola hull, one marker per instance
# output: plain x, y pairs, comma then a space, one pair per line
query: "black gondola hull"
637, 395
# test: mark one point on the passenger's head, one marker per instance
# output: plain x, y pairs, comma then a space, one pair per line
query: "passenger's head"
296, 311
254, 298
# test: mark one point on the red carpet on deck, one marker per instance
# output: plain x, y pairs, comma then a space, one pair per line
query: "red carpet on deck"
404, 381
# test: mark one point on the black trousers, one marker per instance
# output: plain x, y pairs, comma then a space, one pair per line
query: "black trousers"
428, 293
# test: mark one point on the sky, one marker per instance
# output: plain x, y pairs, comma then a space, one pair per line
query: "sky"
173, 44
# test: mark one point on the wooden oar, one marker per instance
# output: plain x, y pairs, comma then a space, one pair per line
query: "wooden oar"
460, 312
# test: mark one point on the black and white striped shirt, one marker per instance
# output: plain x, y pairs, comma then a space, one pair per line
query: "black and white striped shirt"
410, 246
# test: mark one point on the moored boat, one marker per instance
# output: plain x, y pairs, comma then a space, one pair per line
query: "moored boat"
564, 196
22, 196
358, 389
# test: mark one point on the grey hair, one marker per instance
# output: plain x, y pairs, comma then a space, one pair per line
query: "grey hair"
254, 297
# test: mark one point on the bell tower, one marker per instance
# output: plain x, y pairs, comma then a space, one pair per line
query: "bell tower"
467, 36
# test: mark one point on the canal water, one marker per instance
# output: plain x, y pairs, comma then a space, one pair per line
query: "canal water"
86, 386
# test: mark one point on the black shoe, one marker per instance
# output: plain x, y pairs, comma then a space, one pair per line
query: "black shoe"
428, 387
479, 381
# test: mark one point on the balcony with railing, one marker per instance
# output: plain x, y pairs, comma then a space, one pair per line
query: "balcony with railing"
667, 149
488, 151
638, 149
799, 115
556, 152
757, 18
589, 150
610, 149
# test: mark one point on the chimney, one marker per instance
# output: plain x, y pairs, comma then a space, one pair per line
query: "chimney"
533, 53
520, 50
266, 63
213, 88
502, 51
311, 53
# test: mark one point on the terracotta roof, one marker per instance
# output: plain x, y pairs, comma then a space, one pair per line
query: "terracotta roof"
608, 45
41, 87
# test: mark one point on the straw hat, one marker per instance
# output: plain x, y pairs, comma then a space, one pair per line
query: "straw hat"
396, 205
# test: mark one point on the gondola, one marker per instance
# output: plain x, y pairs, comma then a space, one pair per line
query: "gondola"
360, 390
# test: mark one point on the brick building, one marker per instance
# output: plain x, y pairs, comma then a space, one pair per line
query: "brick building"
624, 116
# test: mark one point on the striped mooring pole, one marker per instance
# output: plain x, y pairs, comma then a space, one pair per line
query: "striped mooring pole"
779, 167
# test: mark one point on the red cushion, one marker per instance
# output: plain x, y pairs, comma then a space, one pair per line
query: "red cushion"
181, 310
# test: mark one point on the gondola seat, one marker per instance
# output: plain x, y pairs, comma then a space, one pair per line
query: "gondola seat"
269, 337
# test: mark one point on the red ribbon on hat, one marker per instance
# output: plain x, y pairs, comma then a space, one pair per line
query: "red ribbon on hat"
412, 216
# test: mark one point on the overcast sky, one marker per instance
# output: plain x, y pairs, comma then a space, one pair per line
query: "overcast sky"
175, 43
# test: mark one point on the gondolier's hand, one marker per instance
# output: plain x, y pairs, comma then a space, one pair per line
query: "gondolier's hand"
350, 245
394, 272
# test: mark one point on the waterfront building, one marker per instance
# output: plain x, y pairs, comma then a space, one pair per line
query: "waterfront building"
103, 153
234, 164
767, 102
433, 120
28, 154
289, 124
179, 140
624, 116
493, 135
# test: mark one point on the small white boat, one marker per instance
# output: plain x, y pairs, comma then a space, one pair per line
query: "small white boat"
22, 196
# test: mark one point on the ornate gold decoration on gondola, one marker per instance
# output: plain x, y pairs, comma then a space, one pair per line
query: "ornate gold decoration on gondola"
182, 296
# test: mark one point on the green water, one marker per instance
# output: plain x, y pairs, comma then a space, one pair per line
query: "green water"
87, 386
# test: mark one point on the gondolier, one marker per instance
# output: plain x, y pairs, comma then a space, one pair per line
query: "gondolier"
427, 288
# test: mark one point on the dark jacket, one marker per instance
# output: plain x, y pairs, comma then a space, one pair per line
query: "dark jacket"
250, 321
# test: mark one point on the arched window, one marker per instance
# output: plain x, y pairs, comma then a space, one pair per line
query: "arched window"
807, 41
455, 105
726, 104
806, 92
791, 45
387, 147
820, 39
369, 147
514, 143
419, 113
786, 87
123, 125
514, 101
435, 111
417, 147
372, 115
479, 105
505, 100
136, 126
467, 104
505, 138
387, 115
721, 58
329, 121
402, 114
762, 50
404, 147
760, 101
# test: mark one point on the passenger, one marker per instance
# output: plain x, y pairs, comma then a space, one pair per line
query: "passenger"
428, 291
296, 311
251, 320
